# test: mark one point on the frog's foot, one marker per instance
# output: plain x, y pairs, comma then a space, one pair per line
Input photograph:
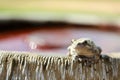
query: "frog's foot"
88, 61
76, 58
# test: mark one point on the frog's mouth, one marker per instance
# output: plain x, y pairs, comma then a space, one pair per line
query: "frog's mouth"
84, 50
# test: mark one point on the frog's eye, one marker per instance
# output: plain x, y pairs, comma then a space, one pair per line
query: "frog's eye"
79, 44
85, 42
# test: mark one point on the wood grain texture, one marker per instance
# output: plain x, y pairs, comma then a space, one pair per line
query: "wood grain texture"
29, 66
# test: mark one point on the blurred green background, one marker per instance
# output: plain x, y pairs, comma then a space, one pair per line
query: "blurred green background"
78, 11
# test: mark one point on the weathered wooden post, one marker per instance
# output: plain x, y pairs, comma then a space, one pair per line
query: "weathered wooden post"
28, 66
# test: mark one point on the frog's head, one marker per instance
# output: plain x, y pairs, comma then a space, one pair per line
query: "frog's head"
84, 45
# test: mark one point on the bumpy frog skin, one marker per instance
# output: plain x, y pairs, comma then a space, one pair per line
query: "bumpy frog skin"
84, 47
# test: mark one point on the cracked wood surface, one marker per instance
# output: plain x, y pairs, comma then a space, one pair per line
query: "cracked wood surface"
30, 66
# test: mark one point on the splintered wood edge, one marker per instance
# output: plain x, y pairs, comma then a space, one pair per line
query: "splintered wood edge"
107, 68
111, 55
